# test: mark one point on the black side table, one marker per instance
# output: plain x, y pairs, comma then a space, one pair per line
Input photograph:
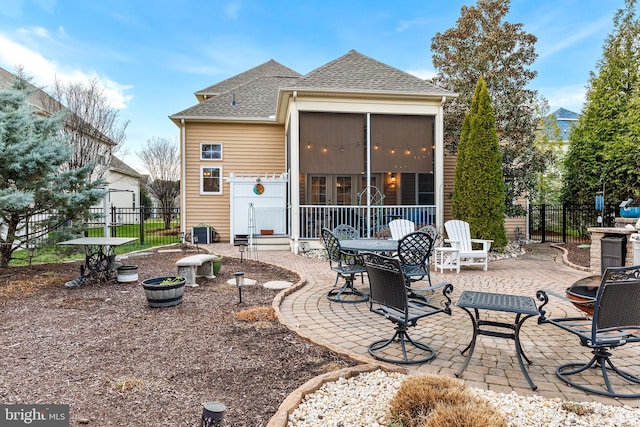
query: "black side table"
523, 307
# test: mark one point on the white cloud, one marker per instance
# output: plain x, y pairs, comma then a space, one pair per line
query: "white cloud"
46, 71
571, 97
567, 41
407, 24
423, 73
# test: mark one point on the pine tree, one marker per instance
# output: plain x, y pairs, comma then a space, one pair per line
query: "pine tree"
482, 185
604, 149
32, 184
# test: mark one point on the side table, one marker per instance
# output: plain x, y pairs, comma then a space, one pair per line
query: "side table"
522, 306
447, 257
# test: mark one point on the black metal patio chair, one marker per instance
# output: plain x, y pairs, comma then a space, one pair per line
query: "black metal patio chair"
414, 253
389, 297
345, 232
347, 265
615, 322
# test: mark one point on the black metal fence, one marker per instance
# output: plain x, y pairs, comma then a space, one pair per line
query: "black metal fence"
565, 223
153, 226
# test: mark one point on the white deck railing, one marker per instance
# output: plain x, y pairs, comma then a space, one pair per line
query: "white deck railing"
369, 221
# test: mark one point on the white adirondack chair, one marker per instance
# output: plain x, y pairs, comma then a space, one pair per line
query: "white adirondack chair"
400, 228
459, 237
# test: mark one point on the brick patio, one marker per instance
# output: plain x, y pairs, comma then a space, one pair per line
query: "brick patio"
350, 328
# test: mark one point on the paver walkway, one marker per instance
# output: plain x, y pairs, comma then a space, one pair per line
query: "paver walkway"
350, 328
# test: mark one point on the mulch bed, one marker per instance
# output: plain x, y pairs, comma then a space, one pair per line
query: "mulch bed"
117, 362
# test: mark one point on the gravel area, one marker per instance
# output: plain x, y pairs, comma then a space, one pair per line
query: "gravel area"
362, 400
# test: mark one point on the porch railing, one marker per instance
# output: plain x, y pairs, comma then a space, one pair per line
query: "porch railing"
369, 221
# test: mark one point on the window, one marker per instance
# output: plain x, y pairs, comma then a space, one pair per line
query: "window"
343, 190
210, 180
318, 190
210, 151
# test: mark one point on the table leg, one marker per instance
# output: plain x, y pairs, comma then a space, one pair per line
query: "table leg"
516, 326
520, 353
472, 345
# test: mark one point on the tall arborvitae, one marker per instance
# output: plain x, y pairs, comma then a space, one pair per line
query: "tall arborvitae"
481, 171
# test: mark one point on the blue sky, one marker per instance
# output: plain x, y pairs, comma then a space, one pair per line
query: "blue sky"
153, 55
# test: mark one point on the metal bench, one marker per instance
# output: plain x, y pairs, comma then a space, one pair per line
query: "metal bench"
193, 266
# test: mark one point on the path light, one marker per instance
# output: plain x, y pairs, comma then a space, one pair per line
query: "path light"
241, 248
212, 414
239, 283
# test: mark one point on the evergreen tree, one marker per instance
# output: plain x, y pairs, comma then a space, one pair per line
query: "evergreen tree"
481, 170
36, 196
604, 148
483, 44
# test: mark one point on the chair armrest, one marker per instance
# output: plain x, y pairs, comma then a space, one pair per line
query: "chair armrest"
486, 244
452, 243
543, 296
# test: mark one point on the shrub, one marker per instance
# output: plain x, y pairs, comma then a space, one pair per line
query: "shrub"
433, 400
257, 314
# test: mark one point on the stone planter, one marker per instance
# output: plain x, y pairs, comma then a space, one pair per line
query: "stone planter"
217, 265
164, 291
127, 274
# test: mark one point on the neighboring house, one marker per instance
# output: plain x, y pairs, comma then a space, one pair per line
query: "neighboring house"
124, 185
564, 120
354, 141
123, 182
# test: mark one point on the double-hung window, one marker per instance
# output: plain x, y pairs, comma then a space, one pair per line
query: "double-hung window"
210, 176
210, 180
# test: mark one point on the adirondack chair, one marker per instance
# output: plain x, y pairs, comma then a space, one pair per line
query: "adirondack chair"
459, 237
400, 228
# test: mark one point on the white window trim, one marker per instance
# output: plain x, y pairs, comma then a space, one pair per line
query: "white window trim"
212, 143
210, 193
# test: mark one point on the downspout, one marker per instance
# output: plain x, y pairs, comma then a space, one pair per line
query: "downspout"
439, 137
183, 173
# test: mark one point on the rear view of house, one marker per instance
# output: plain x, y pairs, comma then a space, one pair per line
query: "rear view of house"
354, 141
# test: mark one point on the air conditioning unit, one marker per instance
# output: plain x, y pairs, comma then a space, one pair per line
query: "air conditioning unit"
204, 235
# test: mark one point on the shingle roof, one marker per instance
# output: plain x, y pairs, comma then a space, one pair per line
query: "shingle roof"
269, 68
565, 120
120, 166
254, 99
256, 91
355, 71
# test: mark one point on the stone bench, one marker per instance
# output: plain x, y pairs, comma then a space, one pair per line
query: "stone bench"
193, 266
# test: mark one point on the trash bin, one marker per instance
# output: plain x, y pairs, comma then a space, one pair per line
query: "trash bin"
635, 243
612, 251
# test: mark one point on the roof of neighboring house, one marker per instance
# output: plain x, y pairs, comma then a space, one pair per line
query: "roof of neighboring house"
565, 120
254, 94
47, 104
118, 165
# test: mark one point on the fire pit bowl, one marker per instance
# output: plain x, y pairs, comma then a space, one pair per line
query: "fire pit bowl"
583, 293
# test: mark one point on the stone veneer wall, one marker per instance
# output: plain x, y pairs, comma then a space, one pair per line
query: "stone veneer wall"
597, 233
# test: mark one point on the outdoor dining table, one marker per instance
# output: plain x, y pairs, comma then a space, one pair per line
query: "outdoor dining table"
369, 245
99, 261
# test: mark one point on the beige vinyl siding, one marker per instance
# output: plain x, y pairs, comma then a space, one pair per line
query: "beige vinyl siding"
449, 174
247, 149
